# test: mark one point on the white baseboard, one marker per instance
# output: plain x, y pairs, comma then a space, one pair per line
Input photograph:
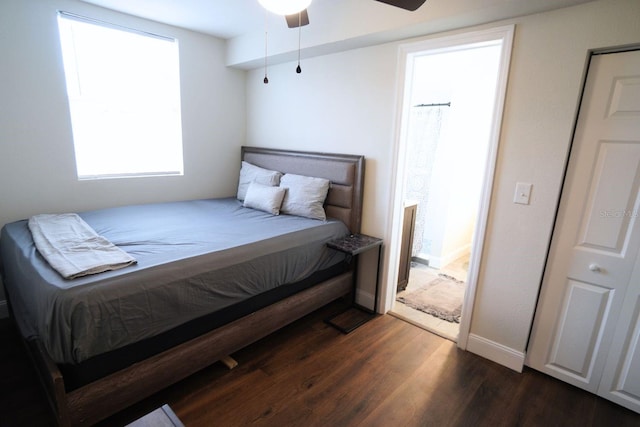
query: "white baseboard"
4, 309
496, 352
365, 299
439, 262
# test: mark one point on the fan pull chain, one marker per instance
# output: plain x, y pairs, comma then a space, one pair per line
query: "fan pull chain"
266, 41
298, 69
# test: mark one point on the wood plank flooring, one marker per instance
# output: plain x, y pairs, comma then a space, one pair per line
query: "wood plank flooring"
386, 373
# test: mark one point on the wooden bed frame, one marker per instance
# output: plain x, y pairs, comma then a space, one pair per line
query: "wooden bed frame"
106, 396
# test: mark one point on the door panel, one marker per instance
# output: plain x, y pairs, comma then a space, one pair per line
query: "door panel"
587, 326
616, 184
621, 377
625, 100
573, 350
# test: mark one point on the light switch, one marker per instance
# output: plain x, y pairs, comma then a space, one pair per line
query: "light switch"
523, 192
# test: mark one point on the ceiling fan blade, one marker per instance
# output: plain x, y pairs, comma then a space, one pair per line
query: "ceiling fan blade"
295, 21
405, 4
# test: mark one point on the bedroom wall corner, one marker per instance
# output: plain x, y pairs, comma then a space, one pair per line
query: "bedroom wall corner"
37, 165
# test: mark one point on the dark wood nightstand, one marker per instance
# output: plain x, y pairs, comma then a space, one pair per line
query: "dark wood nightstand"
355, 315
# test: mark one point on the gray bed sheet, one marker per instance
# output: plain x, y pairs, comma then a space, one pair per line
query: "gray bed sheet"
194, 257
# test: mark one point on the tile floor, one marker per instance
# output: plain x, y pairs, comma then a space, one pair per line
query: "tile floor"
448, 330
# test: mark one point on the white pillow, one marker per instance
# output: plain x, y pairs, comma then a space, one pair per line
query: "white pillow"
305, 196
250, 173
264, 197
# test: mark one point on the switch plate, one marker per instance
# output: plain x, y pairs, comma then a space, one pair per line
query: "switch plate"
523, 193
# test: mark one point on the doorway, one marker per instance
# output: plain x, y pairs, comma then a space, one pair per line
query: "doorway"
452, 102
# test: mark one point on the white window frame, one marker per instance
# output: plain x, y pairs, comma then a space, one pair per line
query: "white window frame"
125, 112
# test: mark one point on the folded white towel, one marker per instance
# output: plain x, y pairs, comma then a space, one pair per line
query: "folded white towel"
73, 248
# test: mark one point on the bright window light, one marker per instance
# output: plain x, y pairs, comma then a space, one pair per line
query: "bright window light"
123, 87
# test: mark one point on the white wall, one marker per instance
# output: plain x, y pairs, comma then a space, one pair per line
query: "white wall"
341, 103
37, 170
345, 102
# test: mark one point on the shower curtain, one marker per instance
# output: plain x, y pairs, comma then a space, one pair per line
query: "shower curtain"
425, 125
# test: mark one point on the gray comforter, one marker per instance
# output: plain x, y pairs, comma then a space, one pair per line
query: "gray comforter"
194, 257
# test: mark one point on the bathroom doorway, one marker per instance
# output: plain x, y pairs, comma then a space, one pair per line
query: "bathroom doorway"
453, 96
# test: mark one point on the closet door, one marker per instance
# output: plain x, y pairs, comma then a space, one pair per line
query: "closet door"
621, 377
591, 275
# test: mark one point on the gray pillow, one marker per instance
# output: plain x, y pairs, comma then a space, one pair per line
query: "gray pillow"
264, 198
250, 173
305, 196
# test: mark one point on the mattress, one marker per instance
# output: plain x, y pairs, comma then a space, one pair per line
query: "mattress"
193, 258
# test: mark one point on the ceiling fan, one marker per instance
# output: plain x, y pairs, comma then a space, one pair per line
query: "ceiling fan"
299, 17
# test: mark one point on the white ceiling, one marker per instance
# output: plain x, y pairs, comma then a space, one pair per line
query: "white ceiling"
221, 18
335, 25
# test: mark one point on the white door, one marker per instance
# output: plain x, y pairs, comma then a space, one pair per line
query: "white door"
587, 326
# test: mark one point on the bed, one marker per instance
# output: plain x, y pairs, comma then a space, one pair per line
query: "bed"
209, 277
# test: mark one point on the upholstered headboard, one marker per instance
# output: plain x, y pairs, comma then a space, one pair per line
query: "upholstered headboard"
345, 171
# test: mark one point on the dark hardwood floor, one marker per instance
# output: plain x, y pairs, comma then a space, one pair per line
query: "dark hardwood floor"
386, 373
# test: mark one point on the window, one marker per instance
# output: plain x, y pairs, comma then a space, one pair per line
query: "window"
123, 87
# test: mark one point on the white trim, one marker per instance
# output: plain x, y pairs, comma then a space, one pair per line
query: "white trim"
503, 35
448, 258
496, 352
365, 299
4, 309
485, 200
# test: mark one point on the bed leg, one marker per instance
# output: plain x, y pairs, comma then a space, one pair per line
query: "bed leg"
52, 381
229, 362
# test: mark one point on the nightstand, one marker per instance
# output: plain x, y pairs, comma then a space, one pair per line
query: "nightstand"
355, 315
